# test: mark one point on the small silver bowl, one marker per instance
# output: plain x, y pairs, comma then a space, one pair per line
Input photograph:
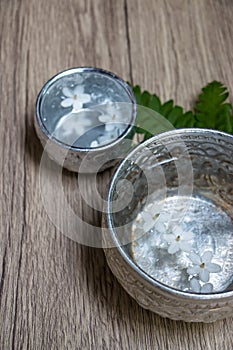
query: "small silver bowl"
178, 184
68, 120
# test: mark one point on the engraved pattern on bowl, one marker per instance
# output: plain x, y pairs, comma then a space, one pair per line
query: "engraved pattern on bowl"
210, 153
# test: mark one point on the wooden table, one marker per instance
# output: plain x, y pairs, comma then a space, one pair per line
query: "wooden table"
55, 293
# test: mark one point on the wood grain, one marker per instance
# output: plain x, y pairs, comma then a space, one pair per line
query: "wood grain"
55, 293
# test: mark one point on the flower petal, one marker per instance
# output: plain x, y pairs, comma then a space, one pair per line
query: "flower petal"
67, 102
173, 248
204, 275
78, 90
77, 105
67, 92
79, 120
207, 288
117, 118
195, 258
146, 216
148, 222
94, 144
177, 231
193, 270
153, 208
147, 226
185, 246
211, 267
188, 235
84, 98
169, 237
195, 285
121, 127
105, 118
160, 226
79, 128
110, 127
207, 256
107, 137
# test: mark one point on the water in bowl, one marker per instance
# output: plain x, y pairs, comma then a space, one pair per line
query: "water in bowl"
204, 226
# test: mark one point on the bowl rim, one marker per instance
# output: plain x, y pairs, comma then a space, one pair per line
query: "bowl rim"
50, 82
163, 287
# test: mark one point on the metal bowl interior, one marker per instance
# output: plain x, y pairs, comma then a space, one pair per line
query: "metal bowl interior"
189, 173
103, 86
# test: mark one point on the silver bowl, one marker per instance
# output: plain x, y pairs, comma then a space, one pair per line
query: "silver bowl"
190, 171
59, 116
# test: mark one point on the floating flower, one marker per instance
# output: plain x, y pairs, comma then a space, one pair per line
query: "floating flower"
149, 220
203, 266
179, 240
150, 216
94, 144
198, 288
70, 127
75, 97
106, 138
113, 115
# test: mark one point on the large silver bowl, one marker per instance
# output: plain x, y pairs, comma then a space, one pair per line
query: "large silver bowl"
190, 164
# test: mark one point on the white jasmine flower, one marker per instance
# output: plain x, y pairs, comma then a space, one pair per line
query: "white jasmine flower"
106, 138
179, 240
75, 97
94, 144
203, 266
112, 115
198, 288
70, 127
77, 128
150, 216
149, 220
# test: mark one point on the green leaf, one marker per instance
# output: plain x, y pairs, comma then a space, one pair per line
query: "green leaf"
154, 103
137, 93
174, 114
211, 110
166, 108
145, 98
189, 120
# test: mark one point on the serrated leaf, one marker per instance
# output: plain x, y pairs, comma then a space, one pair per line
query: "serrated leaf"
155, 103
137, 93
189, 119
166, 108
175, 114
211, 110
148, 135
145, 98
139, 130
